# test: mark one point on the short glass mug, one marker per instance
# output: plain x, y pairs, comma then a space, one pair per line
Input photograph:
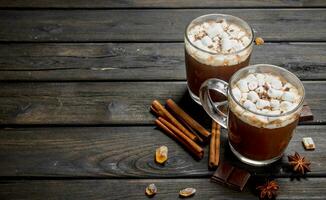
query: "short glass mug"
202, 65
253, 143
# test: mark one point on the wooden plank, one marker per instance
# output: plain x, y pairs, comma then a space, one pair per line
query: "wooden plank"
138, 61
158, 3
313, 188
126, 152
109, 102
152, 25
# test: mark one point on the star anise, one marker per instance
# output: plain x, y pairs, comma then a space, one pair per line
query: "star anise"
268, 190
299, 163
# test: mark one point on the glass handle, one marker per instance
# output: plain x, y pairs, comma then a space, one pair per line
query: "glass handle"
213, 108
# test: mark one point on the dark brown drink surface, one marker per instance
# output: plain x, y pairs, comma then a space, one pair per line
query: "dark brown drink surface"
258, 143
198, 72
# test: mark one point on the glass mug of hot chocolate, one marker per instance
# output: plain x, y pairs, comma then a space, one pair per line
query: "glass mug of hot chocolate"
264, 105
216, 46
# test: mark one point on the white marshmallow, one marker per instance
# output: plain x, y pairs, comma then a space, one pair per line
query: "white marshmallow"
250, 105
241, 34
245, 40
214, 29
261, 81
251, 77
260, 76
200, 45
273, 93
275, 104
244, 96
243, 85
233, 28
261, 103
286, 106
288, 96
252, 85
287, 86
276, 84
224, 24
207, 41
253, 96
236, 93
269, 78
227, 44
260, 90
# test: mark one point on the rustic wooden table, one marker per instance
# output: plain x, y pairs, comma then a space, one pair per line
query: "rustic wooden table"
77, 78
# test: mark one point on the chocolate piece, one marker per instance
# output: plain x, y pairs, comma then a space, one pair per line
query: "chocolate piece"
306, 114
238, 179
231, 176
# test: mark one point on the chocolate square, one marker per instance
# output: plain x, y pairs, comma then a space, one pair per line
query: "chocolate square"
231, 176
306, 114
238, 179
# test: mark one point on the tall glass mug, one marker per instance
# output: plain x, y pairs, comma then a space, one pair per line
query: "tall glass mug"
259, 130
216, 46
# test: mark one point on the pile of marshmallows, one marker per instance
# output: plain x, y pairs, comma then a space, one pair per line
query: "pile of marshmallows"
219, 37
225, 43
266, 94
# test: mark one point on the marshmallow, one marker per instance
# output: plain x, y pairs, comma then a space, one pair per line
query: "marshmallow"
260, 79
250, 105
273, 93
236, 93
214, 30
227, 44
245, 40
276, 84
288, 96
233, 29
261, 103
207, 41
251, 77
260, 76
244, 96
243, 85
287, 86
275, 104
253, 96
224, 24
260, 90
286, 106
269, 78
241, 34
252, 85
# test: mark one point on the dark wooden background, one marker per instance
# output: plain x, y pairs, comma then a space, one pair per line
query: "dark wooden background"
77, 78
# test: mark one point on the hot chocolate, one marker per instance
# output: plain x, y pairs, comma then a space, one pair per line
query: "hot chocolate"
262, 121
216, 46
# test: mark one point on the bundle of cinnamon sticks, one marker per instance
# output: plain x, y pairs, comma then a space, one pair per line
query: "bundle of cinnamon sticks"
176, 123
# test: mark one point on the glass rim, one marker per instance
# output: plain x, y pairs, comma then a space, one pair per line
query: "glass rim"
272, 66
223, 15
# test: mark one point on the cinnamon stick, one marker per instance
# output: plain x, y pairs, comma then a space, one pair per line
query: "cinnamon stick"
214, 150
174, 132
185, 117
162, 112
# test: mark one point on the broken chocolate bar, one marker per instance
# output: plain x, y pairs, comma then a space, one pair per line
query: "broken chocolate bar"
231, 176
306, 114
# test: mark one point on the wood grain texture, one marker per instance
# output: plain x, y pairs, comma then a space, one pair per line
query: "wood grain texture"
109, 102
127, 152
139, 61
312, 188
158, 3
152, 25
